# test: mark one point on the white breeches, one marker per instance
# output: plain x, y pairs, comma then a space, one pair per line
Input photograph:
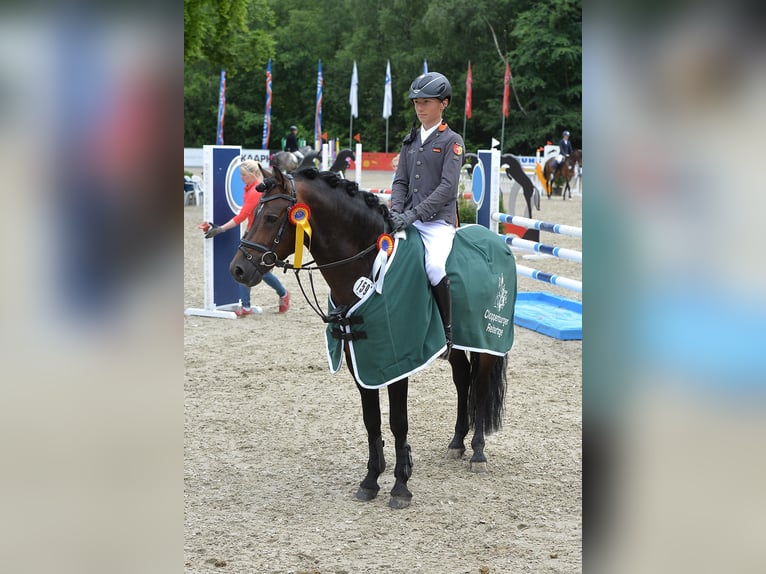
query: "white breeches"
437, 239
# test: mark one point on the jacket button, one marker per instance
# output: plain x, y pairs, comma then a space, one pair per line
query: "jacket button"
415, 190
418, 162
421, 149
417, 176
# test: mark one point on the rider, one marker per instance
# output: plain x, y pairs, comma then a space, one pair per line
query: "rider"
291, 143
424, 190
565, 149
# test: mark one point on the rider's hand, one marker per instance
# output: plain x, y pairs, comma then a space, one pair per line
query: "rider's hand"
401, 221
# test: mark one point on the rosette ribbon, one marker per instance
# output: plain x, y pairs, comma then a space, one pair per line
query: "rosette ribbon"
299, 216
385, 249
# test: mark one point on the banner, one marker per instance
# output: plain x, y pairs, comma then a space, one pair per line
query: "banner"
221, 108
267, 113
353, 97
468, 90
387, 98
318, 114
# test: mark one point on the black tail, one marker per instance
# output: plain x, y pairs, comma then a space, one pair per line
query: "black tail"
492, 368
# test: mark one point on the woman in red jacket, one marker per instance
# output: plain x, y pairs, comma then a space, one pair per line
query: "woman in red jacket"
250, 172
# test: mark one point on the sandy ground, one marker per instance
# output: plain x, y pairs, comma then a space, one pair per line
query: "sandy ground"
275, 447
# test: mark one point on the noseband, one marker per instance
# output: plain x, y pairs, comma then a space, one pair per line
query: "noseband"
269, 258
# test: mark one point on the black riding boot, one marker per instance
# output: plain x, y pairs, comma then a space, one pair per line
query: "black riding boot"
443, 299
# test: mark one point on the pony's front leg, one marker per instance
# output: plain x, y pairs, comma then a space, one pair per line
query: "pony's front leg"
397, 399
376, 463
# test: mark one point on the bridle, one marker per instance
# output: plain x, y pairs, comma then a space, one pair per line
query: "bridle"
269, 258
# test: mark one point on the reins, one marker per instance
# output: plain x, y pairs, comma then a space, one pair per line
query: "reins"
270, 259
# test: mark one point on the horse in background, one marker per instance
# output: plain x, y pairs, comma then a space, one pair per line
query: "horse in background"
289, 162
565, 170
516, 173
470, 160
342, 162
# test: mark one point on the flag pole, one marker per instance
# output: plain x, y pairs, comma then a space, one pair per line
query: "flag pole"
464, 120
502, 135
386, 135
350, 129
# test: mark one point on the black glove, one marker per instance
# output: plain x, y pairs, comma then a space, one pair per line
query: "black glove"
401, 221
213, 231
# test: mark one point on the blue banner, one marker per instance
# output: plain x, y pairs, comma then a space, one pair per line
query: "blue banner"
318, 116
221, 108
267, 113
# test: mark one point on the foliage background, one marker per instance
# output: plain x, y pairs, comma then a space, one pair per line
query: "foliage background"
542, 42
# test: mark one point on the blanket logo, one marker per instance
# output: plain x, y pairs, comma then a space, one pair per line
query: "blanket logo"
502, 294
496, 323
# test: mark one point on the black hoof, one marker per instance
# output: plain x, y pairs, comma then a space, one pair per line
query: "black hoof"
399, 502
366, 494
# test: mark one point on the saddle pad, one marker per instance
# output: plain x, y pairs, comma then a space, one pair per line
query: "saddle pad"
402, 326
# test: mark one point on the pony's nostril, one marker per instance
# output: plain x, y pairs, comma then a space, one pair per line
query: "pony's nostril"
238, 272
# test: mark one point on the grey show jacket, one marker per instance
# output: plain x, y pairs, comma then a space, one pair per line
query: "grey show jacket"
427, 177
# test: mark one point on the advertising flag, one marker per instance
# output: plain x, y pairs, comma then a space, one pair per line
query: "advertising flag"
353, 97
506, 88
468, 90
387, 98
221, 108
318, 115
267, 113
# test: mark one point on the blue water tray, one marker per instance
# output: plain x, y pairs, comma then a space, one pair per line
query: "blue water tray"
550, 315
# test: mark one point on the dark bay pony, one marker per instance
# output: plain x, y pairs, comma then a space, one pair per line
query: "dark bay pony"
346, 224
288, 162
566, 170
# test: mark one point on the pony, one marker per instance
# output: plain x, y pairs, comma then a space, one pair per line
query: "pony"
347, 225
288, 162
342, 161
566, 170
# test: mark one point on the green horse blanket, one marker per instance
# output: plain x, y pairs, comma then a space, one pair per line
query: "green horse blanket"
397, 332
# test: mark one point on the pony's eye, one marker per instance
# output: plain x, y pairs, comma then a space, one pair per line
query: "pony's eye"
271, 218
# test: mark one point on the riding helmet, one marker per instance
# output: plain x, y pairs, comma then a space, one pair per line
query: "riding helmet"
431, 85
293, 128
566, 133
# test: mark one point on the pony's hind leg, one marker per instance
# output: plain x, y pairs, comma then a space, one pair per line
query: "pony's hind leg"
397, 399
376, 463
461, 376
487, 401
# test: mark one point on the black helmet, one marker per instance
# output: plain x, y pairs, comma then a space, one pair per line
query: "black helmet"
431, 85
293, 128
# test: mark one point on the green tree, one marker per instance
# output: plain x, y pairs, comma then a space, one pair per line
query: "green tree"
542, 42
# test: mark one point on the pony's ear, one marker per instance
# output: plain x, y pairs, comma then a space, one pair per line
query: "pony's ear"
278, 176
265, 171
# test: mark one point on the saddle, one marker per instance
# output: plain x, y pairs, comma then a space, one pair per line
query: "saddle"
398, 332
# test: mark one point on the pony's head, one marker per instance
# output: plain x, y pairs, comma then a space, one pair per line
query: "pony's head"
270, 238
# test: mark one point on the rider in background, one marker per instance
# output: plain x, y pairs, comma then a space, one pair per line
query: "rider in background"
565, 148
291, 143
425, 187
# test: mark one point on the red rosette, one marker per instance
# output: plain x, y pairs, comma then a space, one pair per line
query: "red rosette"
385, 243
299, 213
